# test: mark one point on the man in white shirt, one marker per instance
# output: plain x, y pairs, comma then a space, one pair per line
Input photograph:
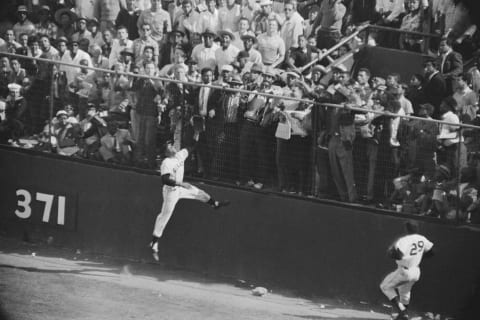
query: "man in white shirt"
450, 139
174, 189
119, 45
204, 53
227, 53
76, 55
407, 252
292, 27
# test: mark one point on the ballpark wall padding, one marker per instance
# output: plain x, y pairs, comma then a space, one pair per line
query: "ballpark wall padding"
311, 246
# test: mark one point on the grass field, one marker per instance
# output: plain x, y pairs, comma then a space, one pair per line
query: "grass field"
43, 282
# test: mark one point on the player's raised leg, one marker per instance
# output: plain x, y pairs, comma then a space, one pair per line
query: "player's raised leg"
192, 192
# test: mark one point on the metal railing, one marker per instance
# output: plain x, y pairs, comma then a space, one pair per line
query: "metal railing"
273, 145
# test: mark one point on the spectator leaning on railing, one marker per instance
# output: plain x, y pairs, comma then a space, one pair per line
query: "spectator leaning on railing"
257, 141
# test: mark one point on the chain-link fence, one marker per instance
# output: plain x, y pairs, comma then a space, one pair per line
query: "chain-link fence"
292, 139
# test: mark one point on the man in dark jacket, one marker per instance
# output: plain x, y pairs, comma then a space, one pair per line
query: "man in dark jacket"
435, 87
450, 63
128, 17
148, 93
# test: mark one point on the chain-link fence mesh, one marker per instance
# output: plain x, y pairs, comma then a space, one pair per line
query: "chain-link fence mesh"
313, 145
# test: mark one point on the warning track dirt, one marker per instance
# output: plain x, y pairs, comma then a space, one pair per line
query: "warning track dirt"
43, 282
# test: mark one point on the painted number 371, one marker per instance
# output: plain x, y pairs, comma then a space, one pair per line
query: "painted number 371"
24, 210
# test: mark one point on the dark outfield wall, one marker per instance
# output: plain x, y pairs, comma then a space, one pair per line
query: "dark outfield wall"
305, 245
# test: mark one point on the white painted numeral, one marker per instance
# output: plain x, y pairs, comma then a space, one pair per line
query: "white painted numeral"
48, 199
25, 204
61, 210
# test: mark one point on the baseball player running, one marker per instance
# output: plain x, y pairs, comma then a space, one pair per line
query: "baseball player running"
407, 252
174, 189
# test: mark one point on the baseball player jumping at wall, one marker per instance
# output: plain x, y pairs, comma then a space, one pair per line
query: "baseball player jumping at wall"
174, 189
407, 252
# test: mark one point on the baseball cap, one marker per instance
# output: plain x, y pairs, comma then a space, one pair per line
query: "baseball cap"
340, 67
227, 67
257, 67
61, 113
14, 87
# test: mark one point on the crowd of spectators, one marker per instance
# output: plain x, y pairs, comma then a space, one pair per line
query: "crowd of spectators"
252, 139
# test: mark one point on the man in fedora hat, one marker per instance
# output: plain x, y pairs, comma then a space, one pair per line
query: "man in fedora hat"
158, 19
93, 27
65, 19
204, 53
127, 59
23, 25
227, 53
82, 31
249, 40
45, 25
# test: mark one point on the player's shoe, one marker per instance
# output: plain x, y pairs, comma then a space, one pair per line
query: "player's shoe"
154, 246
220, 204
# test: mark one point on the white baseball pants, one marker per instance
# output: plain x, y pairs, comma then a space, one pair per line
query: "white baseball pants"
171, 195
402, 279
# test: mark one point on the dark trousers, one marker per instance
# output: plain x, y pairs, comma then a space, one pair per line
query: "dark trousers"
146, 148
365, 152
341, 165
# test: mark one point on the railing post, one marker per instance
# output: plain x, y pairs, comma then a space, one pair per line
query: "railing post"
313, 161
182, 121
458, 174
53, 74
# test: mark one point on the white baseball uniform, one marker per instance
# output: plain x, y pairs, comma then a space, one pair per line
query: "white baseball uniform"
408, 272
175, 167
